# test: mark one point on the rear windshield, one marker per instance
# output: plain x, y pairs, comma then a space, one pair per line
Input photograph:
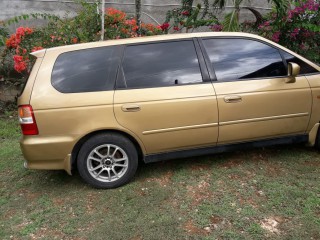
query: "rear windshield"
88, 70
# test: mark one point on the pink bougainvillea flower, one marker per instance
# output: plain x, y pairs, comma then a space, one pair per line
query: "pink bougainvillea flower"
276, 37
216, 28
295, 33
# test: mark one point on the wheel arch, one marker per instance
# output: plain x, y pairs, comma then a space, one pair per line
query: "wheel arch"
82, 140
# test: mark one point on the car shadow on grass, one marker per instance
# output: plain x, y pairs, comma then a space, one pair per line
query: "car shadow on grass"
54, 180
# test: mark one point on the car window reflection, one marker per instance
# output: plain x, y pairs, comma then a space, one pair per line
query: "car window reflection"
235, 59
161, 64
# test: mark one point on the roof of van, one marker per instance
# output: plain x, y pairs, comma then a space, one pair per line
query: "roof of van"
144, 39
74, 47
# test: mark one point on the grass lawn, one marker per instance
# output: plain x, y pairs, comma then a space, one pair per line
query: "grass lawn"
271, 193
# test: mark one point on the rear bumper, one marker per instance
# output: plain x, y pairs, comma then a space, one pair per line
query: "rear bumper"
47, 153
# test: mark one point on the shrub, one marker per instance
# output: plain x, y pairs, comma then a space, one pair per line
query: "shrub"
4, 33
65, 31
299, 30
187, 18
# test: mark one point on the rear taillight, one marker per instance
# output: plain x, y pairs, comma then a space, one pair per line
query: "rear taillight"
27, 121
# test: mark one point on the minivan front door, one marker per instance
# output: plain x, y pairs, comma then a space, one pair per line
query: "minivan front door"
163, 99
254, 100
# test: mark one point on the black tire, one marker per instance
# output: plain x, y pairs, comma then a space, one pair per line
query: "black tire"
101, 147
317, 143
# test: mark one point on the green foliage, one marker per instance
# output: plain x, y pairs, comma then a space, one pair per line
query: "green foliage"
231, 20
45, 16
4, 33
187, 18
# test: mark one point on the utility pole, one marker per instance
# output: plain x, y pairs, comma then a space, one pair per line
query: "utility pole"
138, 15
102, 19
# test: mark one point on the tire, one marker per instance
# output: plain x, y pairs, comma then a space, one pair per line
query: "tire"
107, 161
317, 143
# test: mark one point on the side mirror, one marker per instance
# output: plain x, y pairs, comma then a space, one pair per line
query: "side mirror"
293, 72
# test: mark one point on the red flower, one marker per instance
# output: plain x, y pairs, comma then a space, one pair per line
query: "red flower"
20, 67
176, 28
74, 40
19, 64
21, 31
116, 15
36, 49
17, 58
132, 23
13, 41
185, 13
164, 26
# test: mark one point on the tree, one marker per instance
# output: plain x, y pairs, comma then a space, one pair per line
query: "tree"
231, 20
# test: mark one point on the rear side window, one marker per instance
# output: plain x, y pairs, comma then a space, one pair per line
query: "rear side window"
88, 70
304, 67
237, 59
161, 64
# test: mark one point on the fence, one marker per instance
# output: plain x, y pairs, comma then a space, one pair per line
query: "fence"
152, 10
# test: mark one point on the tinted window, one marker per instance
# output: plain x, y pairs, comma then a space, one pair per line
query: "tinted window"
235, 59
87, 70
304, 67
161, 64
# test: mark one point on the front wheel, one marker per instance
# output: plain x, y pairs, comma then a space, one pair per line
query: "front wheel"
107, 161
317, 143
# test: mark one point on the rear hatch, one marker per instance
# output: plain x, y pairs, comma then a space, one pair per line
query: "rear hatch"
25, 111
25, 94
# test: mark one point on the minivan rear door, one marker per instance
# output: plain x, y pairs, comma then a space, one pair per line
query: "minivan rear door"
163, 97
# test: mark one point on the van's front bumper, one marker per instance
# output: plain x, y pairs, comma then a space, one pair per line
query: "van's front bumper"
47, 153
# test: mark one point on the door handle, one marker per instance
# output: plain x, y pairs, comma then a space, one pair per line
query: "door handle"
130, 108
232, 99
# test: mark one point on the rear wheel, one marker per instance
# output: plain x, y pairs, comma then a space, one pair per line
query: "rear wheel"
107, 161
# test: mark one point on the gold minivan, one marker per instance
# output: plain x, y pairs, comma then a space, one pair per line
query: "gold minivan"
101, 107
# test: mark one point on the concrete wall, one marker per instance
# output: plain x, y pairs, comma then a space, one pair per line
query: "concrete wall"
153, 11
